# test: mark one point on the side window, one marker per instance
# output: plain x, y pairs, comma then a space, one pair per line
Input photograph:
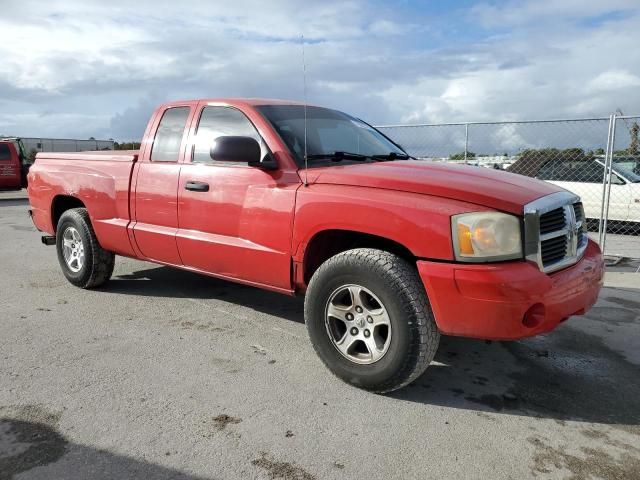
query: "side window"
217, 122
166, 144
5, 153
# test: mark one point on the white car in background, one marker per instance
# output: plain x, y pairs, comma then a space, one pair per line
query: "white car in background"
585, 178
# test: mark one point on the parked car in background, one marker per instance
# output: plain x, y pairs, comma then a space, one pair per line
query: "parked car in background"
584, 177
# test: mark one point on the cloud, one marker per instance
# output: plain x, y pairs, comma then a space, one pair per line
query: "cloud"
614, 80
98, 69
519, 13
530, 74
131, 122
386, 27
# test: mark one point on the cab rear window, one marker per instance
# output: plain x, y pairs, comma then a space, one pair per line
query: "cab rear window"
5, 153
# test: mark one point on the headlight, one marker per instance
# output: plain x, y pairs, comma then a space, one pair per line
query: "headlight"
486, 236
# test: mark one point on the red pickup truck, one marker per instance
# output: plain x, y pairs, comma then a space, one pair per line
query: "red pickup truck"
390, 251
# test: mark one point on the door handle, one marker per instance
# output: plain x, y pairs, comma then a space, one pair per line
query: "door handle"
197, 186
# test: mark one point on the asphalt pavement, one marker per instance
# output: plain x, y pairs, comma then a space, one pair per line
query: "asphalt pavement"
165, 374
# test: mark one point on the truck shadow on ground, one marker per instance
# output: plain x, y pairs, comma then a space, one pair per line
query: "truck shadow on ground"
30, 440
175, 283
569, 374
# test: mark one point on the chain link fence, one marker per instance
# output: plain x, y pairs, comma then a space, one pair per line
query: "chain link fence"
621, 206
596, 158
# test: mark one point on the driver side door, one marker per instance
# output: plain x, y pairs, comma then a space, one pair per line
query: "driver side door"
234, 219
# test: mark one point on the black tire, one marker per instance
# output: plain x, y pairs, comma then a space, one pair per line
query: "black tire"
396, 283
98, 262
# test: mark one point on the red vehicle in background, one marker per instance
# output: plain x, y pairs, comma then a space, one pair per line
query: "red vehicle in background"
390, 252
13, 165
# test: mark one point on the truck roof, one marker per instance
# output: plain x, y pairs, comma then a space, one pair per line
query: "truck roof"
236, 101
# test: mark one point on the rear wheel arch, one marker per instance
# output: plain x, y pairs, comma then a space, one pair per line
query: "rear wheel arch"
62, 203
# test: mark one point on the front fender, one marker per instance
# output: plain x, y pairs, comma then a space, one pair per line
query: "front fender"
421, 223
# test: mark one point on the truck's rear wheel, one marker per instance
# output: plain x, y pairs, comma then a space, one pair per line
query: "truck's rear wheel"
369, 319
83, 261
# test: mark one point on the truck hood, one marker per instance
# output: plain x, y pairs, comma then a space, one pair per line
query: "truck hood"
491, 188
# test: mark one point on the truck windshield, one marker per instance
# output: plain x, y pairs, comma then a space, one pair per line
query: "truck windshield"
332, 136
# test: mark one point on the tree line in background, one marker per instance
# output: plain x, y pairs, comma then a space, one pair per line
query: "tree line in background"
574, 154
126, 146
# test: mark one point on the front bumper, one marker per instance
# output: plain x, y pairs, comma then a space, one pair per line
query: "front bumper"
510, 300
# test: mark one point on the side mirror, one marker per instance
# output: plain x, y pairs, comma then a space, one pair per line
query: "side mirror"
236, 149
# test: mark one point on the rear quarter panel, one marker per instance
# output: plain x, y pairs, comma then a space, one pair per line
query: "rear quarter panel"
101, 184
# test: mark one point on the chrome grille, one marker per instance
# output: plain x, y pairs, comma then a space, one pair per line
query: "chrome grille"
578, 210
553, 249
555, 231
552, 221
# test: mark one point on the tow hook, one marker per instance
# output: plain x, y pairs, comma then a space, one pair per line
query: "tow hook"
49, 239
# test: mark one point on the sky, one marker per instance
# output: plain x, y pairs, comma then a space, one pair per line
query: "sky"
80, 69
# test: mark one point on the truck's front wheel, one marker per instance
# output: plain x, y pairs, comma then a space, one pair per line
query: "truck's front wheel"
369, 319
83, 261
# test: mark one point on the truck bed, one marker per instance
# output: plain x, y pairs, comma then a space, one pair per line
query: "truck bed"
100, 180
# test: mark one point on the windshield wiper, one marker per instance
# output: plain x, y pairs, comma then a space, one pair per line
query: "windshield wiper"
391, 156
338, 156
